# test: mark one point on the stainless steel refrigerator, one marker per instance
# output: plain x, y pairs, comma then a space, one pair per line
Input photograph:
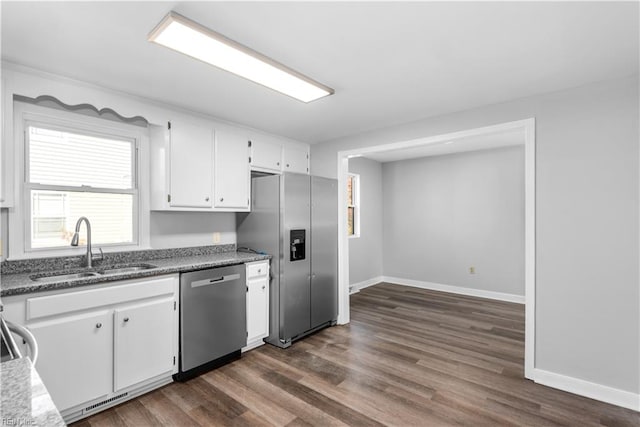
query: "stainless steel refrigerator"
294, 218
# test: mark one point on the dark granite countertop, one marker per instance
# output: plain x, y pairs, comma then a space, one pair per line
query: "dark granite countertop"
18, 281
25, 399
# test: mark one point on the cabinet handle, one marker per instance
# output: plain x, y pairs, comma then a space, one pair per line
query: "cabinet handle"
206, 199
98, 325
259, 271
287, 164
126, 319
221, 199
278, 164
263, 286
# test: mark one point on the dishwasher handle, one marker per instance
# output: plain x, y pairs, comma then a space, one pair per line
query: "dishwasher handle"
26, 335
215, 280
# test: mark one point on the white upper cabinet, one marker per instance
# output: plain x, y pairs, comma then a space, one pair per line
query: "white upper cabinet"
296, 160
271, 155
232, 174
266, 154
191, 165
199, 167
206, 167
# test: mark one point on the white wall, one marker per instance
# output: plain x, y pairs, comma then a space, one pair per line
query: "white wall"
445, 214
185, 229
365, 252
587, 200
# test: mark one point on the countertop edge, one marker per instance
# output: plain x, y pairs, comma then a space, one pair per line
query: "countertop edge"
34, 287
25, 399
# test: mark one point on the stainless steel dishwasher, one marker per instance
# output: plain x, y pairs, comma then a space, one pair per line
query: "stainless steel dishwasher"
213, 325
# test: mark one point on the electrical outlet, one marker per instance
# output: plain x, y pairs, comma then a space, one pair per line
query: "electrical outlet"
472, 270
216, 237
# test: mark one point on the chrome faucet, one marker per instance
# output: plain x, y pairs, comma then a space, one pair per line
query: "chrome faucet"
76, 238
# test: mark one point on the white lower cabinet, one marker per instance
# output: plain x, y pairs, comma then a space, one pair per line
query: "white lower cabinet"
143, 341
257, 303
102, 345
75, 359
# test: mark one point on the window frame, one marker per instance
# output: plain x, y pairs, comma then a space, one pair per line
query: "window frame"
355, 197
26, 115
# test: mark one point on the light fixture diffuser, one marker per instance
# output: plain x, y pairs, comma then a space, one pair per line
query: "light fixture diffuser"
190, 38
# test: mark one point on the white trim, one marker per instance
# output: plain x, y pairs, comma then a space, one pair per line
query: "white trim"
253, 344
343, 242
355, 287
25, 114
528, 125
529, 246
588, 389
460, 290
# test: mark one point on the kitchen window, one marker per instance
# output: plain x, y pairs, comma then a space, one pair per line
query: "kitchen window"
353, 205
75, 166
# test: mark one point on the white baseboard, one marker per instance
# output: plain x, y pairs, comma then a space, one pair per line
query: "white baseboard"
355, 287
588, 389
456, 289
253, 344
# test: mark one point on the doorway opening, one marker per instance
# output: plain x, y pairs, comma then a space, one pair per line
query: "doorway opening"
495, 136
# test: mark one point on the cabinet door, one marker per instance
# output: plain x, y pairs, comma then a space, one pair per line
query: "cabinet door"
232, 174
191, 165
75, 357
296, 160
143, 342
266, 154
257, 309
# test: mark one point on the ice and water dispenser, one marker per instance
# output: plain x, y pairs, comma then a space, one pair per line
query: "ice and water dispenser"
296, 244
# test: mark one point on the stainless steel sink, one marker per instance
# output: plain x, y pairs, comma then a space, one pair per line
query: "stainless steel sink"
62, 277
126, 269
106, 271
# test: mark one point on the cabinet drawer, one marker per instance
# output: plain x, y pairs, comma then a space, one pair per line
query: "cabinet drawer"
259, 269
82, 300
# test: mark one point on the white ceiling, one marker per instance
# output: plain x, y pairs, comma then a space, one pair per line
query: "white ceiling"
470, 143
389, 63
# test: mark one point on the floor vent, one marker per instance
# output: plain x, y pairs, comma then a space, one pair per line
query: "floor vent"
104, 402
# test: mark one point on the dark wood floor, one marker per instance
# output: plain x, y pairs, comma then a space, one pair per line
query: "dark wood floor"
410, 357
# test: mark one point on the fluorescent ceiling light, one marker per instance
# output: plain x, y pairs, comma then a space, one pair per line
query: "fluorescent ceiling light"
188, 37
